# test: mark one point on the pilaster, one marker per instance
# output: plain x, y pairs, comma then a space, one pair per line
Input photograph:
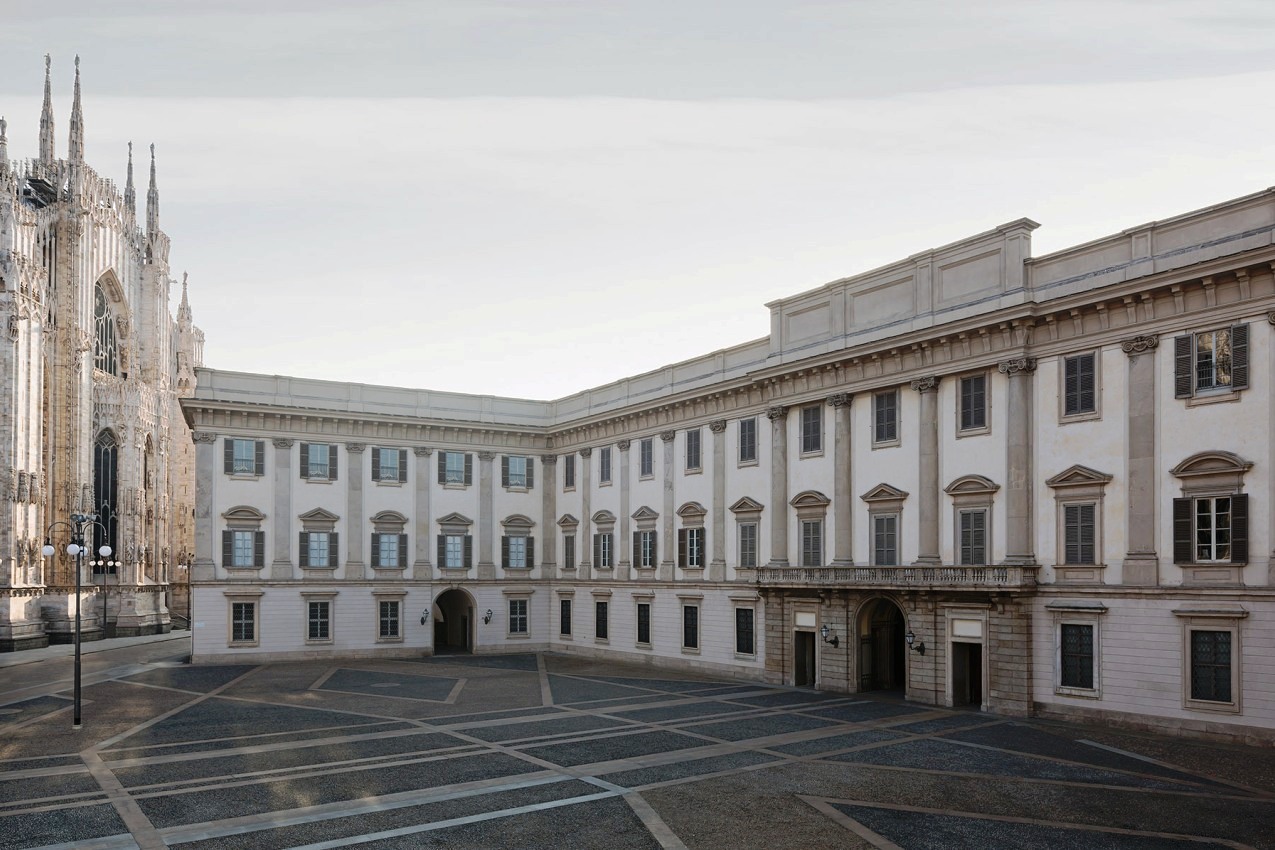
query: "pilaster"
548, 543
842, 501
928, 467
1019, 548
625, 544
584, 544
668, 540
204, 569
778, 417
424, 537
1141, 564
354, 565
281, 566
717, 540
486, 517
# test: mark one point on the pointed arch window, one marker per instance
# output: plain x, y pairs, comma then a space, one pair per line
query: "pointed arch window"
105, 490
105, 348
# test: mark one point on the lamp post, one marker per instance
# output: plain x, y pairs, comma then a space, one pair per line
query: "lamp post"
75, 549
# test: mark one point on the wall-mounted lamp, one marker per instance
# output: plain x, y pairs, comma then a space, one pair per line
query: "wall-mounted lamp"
913, 644
487, 617
825, 632
425, 616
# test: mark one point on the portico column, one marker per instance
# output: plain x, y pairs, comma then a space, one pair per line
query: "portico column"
1019, 544
549, 514
204, 569
778, 417
842, 501
928, 463
354, 509
622, 567
668, 541
424, 539
1141, 563
486, 522
717, 566
584, 546
281, 566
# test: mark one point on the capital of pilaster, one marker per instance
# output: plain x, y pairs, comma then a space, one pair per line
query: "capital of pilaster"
928, 384
487, 456
422, 451
1017, 366
668, 436
623, 444
204, 437
586, 452
1139, 344
1270, 316
282, 442
717, 426
356, 448
778, 412
840, 399
548, 460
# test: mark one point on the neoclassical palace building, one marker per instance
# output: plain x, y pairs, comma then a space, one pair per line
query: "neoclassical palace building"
91, 366
1033, 485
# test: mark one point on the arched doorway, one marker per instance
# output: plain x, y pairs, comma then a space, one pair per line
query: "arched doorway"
882, 648
453, 622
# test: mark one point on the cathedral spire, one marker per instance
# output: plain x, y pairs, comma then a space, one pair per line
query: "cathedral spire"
46, 117
183, 309
76, 152
4, 145
152, 200
130, 195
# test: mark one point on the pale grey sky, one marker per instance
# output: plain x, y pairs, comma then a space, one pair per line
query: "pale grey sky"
530, 198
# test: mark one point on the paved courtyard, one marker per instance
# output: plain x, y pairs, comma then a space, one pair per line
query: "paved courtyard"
529, 751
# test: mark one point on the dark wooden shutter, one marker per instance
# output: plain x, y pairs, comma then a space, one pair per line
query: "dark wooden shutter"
1182, 355
303, 554
597, 549
442, 550
531, 552
1239, 529
681, 547
230, 455
1087, 390
442, 467
402, 465
259, 467
402, 550
334, 549
504, 551
227, 548
376, 549
1183, 551
259, 548
1239, 357
305, 460
332, 457
655, 548
504, 470
637, 549
469, 551
469, 469
376, 464
531, 473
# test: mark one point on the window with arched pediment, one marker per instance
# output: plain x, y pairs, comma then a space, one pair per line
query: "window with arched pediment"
105, 345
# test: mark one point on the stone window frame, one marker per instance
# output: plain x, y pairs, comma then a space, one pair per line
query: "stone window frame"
303, 463
816, 414
388, 522
747, 511
1219, 617
885, 500
1079, 485
568, 525
646, 454
518, 526
522, 595
243, 597
569, 472
972, 493
1211, 474
605, 465
507, 474
1065, 418
647, 598
604, 527
958, 383
456, 525
319, 521
463, 478
688, 601
897, 439
566, 597
646, 521
738, 602
692, 515
1185, 371
244, 518
398, 596
740, 460
229, 461
601, 596
811, 506
327, 597
1077, 613
400, 466
693, 461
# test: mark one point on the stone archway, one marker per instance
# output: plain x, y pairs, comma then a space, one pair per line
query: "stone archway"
880, 628
454, 622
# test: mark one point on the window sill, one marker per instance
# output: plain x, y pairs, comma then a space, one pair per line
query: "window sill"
383, 483
606, 483
324, 642
244, 476
745, 656
1212, 397
566, 637
1079, 573
518, 636
454, 485
650, 476
690, 650
743, 463
601, 640
317, 480
243, 644
1080, 693
517, 569
1212, 707
570, 489
698, 470
513, 489
973, 432
887, 444
641, 645
398, 639
1087, 416
457, 570
805, 455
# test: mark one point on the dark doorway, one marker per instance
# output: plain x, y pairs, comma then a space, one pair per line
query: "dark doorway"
803, 673
453, 616
882, 648
967, 674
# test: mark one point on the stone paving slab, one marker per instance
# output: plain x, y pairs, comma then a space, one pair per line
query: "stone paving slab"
164, 748
545, 728
683, 769
612, 748
681, 712
71, 824
832, 743
376, 683
198, 679
526, 662
742, 729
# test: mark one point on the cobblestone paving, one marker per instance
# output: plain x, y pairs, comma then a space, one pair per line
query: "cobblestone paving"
531, 751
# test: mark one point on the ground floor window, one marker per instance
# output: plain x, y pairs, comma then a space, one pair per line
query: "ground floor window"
690, 627
517, 616
319, 620
564, 618
600, 614
744, 636
243, 622
389, 617
644, 623
1210, 670
1076, 656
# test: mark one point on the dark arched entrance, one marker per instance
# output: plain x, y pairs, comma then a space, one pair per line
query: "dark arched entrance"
453, 622
882, 648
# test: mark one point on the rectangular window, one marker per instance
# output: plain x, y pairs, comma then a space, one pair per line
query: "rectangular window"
1076, 656
690, 548
811, 429
243, 622
973, 402
646, 458
603, 550
1213, 529
1213, 360
604, 465
389, 549
318, 462
517, 616
748, 545
564, 617
516, 552
1211, 666
455, 551
885, 416
317, 548
1079, 390
644, 623
1079, 534
600, 619
973, 537
320, 621
693, 450
744, 640
1210, 361
569, 551
812, 543
748, 440
389, 620
885, 540
690, 627
517, 472
569, 472
244, 549
644, 548
456, 468
389, 465
245, 457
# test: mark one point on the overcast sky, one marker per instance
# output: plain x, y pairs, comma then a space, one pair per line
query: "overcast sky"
532, 197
